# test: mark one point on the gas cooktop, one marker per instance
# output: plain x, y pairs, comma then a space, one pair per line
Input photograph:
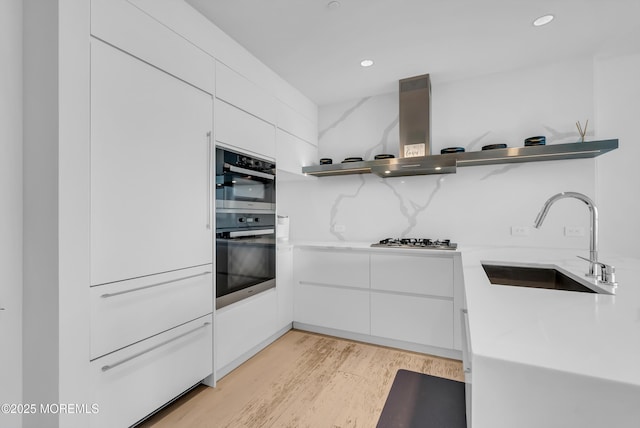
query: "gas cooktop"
421, 243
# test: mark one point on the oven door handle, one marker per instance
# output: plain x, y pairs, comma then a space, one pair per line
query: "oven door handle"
237, 169
242, 233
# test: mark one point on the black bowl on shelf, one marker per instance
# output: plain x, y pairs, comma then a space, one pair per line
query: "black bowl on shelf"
535, 141
352, 159
494, 146
383, 156
326, 161
452, 150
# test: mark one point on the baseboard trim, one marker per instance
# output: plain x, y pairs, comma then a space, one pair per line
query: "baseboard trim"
382, 341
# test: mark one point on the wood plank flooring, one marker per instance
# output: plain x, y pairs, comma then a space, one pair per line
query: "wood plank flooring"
302, 380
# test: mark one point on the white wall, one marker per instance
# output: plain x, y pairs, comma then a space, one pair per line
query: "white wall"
618, 110
11, 202
477, 204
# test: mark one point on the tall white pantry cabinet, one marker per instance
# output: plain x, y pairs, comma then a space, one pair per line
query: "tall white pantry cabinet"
118, 150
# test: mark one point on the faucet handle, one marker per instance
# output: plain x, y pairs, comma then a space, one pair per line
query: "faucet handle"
607, 272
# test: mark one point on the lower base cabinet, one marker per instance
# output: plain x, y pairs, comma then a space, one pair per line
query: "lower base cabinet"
133, 382
416, 319
242, 326
333, 307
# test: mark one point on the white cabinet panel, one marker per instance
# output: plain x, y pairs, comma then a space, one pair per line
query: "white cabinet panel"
296, 124
332, 267
332, 307
284, 284
121, 24
293, 153
150, 169
129, 311
240, 92
413, 319
419, 274
150, 373
244, 325
239, 129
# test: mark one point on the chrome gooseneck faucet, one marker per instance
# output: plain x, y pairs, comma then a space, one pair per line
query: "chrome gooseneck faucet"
593, 211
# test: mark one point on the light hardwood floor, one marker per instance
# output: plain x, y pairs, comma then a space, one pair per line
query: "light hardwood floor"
302, 380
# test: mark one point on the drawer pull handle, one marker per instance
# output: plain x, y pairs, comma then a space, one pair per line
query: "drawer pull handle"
104, 296
146, 351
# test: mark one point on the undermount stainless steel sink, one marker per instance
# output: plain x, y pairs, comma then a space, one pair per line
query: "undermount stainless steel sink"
541, 276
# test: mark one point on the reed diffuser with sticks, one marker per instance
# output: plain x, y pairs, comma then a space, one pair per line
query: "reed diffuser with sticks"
581, 130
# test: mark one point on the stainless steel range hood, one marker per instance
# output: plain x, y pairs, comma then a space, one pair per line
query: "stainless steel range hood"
415, 144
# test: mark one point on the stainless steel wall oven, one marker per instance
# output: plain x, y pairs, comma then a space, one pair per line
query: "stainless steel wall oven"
245, 226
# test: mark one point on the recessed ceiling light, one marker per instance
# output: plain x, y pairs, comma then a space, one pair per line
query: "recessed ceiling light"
543, 20
366, 62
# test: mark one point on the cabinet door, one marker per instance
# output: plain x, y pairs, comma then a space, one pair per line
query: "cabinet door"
293, 153
150, 169
343, 309
414, 319
240, 129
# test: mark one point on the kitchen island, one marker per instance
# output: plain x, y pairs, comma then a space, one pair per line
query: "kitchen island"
549, 358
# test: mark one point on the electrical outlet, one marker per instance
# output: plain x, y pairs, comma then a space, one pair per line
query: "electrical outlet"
520, 230
339, 228
573, 231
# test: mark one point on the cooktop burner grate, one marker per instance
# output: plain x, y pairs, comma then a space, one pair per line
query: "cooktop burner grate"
423, 243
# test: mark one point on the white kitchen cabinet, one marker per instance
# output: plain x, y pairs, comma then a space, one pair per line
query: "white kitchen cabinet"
412, 318
150, 169
237, 128
292, 153
333, 267
339, 308
284, 284
236, 90
131, 383
296, 124
419, 274
126, 312
121, 24
241, 329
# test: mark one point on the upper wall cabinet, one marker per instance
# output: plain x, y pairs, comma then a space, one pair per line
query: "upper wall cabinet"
296, 124
244, 94
292, 152
119, 23
237, 128
151, 165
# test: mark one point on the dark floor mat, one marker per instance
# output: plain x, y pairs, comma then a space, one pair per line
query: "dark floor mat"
418, 400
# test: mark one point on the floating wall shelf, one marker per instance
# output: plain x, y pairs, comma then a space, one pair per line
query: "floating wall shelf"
447, 163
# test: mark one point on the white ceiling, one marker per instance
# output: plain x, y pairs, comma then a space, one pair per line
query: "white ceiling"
318, 49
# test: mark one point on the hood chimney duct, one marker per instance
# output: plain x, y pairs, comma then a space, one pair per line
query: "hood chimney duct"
415, 116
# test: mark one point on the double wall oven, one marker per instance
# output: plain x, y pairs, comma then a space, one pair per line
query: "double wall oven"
245, 226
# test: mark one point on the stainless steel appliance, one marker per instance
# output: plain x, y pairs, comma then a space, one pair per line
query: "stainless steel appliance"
421, 243
244, 182
245, 226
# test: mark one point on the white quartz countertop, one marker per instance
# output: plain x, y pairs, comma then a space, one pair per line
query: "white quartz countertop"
355, 245
586, 334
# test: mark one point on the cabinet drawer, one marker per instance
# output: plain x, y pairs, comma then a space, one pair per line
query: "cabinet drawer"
332, 267
125, 312
332, 307
413, 319
135, 381
239, 129
427, 275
